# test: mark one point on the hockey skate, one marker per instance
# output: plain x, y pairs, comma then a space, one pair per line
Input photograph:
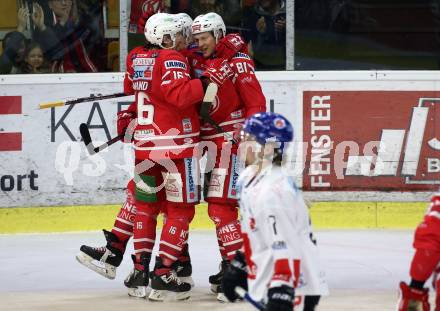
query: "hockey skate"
103, 260
216, 281
411, 299
165, 285
137, 280
184, 272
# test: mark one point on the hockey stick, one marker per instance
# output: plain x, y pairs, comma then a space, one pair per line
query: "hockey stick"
242, 293
211, 92
85, 134
80, 100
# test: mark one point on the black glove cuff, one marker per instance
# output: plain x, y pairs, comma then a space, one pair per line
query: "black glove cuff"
282, 294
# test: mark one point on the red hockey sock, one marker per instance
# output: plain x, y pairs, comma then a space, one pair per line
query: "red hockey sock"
230, 236
227, 228
145, 228
175, 232
423, 264
123, 226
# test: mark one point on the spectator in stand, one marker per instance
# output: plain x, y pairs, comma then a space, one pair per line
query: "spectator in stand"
66, 35
229, 10
14, 45
34, 61
265, 26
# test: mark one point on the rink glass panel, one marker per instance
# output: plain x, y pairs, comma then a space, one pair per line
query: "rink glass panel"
298, 35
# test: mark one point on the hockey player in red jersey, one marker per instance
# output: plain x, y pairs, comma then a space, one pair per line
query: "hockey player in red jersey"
105, 259
236, 99
426, 261
165, 135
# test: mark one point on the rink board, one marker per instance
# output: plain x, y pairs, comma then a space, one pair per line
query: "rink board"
324, 215
392, 151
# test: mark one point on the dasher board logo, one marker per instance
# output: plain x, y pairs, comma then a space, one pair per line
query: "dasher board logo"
10, 141
372, 140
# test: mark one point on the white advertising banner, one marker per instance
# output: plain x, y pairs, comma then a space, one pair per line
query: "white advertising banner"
43, 162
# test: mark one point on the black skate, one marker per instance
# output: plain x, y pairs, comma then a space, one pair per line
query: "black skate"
103, 260
184, 271
166, 285
216, 279
137, 280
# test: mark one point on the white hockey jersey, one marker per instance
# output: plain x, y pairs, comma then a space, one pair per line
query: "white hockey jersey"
278, 239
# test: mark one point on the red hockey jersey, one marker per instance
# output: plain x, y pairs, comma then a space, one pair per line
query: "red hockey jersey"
427, 235
167, 124
195, 60
236, 99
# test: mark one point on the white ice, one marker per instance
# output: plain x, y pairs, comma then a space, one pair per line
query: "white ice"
39, 272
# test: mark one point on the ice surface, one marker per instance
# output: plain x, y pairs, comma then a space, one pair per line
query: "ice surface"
40, 272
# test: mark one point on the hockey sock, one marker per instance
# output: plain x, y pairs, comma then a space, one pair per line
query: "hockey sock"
123, 226
423, 264
184, 256
145, 229
175, 232
227, 228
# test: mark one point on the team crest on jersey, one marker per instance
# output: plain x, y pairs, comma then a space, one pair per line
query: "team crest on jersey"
215, 105
187, 126
175, 64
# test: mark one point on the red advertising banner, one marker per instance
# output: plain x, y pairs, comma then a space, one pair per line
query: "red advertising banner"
371, 140
10, 141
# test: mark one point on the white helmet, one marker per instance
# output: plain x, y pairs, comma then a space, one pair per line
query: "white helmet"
187, 23
209, 22
161, 24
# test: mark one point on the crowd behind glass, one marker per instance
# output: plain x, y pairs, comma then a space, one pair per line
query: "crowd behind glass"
66, 36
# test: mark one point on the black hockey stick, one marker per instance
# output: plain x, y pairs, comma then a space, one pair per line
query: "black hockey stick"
80, 100
211, 92
85, 134
243, 294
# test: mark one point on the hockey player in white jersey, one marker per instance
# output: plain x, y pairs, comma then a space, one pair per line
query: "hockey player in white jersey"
280, 265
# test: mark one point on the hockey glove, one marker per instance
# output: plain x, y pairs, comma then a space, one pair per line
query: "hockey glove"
280, 298
218, 72
412, 298
124, 118
230, 45
235, 275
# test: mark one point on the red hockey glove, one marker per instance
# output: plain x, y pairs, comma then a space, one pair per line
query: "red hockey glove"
218, 72
123, 121
416, 298
228, 46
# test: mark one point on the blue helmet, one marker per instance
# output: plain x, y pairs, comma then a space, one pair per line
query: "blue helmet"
267, 125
